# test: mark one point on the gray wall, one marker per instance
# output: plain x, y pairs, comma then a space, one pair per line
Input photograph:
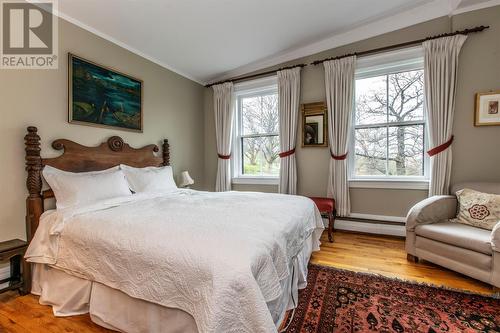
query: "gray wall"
475, 152
173, 109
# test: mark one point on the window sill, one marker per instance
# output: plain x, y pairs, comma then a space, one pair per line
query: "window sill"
390, 184
256, 181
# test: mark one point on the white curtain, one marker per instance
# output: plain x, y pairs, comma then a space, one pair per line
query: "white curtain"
224, 110
441, 66
288, 101
339, 83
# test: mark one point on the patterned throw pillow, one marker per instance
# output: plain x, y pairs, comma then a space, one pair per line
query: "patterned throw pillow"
481, 210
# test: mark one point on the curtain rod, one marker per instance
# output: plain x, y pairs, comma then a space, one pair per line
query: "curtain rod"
253, 76
401, 45
362, 53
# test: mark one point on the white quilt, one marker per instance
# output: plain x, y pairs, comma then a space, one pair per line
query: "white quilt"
218, 256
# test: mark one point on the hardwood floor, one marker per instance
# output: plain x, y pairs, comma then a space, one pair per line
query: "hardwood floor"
357, 252
386, 255
24, 314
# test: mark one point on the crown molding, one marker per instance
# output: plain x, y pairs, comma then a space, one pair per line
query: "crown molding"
482, 5
425, 12
126, 46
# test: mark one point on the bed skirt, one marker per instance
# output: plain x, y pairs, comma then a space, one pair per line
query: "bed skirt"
70, 295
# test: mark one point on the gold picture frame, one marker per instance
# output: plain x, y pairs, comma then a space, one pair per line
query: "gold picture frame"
314, 125
116, 103
487, 110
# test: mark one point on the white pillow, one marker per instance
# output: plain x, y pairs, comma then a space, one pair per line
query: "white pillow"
150, 179
83, 188
478, 209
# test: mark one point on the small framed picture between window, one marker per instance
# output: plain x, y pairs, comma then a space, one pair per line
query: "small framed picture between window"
487, 109
314, 125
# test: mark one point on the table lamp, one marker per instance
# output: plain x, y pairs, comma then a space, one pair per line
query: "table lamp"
186, 180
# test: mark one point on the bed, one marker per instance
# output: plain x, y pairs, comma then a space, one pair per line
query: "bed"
183, 261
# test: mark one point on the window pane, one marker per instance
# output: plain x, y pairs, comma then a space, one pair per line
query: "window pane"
371, 151
406, 96
406, 150
260, 114
261, 156
371, 101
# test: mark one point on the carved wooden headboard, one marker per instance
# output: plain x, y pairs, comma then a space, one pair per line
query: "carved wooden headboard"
79, 158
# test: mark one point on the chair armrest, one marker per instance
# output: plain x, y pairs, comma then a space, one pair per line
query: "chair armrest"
495, 237
431, 210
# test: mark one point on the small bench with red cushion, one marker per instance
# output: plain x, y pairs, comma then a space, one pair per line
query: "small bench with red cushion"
326, 207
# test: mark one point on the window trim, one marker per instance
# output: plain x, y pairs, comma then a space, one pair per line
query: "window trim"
242, 90
392, 183
384, 64
249, 180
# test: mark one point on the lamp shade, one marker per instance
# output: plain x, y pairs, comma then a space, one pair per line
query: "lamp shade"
186, 179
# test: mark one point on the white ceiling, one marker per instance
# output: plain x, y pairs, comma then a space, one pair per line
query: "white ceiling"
206, 40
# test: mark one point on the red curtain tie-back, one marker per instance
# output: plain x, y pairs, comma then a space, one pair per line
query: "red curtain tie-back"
440, 148
339, 157
287, 153
224, 157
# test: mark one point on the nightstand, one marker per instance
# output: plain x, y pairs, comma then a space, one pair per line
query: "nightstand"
14, 250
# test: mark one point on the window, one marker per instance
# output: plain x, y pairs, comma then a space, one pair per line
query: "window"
389, 128
256, 145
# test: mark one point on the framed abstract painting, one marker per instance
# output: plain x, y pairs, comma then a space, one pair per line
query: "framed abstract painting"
487, 109
103, 97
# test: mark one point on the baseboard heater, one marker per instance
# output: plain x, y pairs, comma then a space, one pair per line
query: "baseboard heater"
373, 224
371, 220
4, 274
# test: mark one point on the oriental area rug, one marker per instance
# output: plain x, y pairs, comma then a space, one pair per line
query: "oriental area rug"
344, 301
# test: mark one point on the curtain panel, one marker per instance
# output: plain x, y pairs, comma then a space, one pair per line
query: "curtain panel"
440, 77
288, 105
224, 113
339, 83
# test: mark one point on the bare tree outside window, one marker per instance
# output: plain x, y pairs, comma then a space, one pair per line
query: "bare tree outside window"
259, 137
389, 125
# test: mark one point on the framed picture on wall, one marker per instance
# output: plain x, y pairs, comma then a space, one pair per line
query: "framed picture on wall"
314, 125
487, 109
103, 97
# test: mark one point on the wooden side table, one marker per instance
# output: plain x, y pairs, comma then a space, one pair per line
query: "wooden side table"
14, 250
326, 207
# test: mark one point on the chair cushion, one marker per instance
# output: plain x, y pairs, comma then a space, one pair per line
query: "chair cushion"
457, 234
324, 204
468, 262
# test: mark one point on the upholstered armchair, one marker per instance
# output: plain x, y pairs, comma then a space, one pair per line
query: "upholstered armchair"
463, 248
